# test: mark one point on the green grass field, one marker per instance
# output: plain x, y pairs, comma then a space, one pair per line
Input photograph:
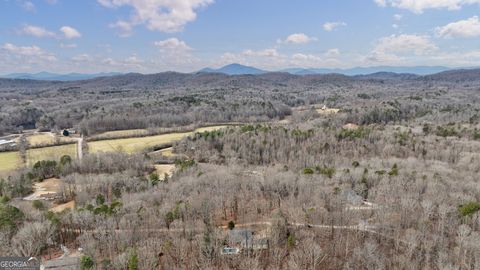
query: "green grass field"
51, 153
133, 145
121, 133
45, 139
11, 160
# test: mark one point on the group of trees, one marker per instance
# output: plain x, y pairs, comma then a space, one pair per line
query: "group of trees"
422, 187
131, 103
398, 189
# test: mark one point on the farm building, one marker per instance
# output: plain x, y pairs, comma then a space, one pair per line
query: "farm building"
9, 143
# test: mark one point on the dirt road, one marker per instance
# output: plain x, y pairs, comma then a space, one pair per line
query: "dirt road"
79, 148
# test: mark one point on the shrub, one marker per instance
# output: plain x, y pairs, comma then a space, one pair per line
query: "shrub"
10, 217
86, 262
154, 178
476, 135
308, 171
133, 260
446, 132
291, 241
231, 225
38, 205
169, 218
185, 164
65, 159
329, 172
4, 199
394, 171
468, 209
45, 169
348, 134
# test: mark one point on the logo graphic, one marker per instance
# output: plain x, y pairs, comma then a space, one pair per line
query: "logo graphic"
19, 263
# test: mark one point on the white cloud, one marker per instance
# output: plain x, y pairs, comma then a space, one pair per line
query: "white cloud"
172, 44
269, 59
68, 45
418, 6
298, 38
27, 6
36, 31
262, 53
175, 54
397, 17
330, 26
70, 32
395, 48
28, 52
383, 57
468, 58
464, 29
381, 3
406, 44
313, 61
82, 58
133, 60
160, 15
125, 27
333, 52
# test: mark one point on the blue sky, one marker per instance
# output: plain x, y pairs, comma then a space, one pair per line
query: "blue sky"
149, 36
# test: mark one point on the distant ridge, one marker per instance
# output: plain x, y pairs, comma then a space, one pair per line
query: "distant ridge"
47, 76
417, 70
380, 72
238, 69
235, 69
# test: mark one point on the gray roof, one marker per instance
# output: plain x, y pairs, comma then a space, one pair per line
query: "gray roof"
5, 142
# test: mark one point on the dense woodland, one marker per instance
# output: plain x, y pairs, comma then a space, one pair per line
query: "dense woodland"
172, 99
389, 182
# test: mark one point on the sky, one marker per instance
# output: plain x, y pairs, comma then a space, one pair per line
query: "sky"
149, 36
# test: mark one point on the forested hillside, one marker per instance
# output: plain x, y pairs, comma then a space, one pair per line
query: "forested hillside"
300, 172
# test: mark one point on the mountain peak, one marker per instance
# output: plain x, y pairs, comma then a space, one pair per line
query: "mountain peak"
235, 69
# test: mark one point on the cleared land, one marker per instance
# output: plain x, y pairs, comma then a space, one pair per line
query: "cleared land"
50, 153
121, 133
46, 139
132, 145
166, 169
61, 207
11, 160
44, 188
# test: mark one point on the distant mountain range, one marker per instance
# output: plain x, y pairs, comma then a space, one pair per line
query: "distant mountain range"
237, 69
47, 76
174, 80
